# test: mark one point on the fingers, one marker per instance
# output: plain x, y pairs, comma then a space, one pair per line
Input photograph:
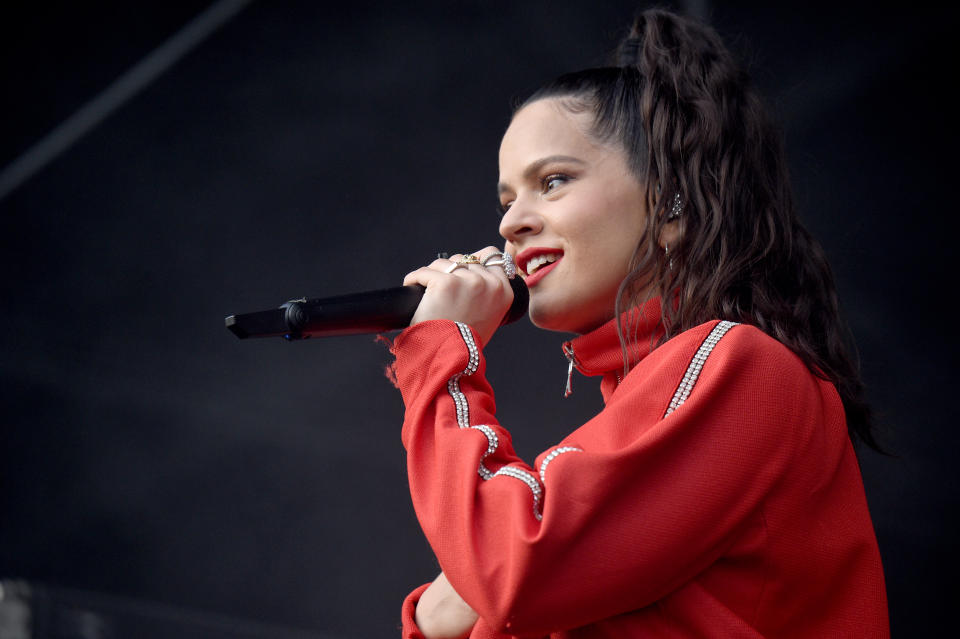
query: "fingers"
472, 265
423, 275
473, 261
461, 261
462, 289
454, 267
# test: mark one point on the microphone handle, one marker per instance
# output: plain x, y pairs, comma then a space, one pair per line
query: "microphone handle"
355, 313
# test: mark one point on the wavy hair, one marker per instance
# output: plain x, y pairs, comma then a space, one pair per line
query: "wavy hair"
695, 128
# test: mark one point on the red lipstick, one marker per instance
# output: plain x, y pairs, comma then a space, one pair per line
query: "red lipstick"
524, 257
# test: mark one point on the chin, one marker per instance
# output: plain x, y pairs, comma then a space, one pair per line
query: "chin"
543, 317
555, 319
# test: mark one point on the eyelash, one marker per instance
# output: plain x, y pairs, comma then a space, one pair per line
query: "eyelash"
544, 189
544, 183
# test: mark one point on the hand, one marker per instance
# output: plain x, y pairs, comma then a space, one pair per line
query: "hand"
442, 613
476, 295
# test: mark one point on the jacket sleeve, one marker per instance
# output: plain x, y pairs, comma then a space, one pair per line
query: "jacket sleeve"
630, 506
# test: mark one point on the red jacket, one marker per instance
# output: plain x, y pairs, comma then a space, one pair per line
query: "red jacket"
716, 495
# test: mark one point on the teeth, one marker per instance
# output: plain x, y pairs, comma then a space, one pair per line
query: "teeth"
536, 262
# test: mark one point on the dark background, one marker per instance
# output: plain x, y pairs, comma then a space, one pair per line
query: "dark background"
314, 149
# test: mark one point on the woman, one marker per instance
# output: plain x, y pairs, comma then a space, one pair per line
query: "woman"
718, 493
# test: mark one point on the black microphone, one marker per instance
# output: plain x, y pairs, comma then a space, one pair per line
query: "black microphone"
368, 312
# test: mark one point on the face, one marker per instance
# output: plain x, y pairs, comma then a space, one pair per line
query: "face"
574, 215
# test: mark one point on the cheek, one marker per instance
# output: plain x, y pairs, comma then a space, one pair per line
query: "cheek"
611, 241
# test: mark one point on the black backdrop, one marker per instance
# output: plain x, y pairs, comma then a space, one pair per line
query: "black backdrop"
311, 149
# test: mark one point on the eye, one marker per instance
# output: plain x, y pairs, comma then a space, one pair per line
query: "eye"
552, 181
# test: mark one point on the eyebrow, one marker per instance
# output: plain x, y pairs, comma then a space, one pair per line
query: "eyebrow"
535, 167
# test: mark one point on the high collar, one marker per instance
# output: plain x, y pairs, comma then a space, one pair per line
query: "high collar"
599, 352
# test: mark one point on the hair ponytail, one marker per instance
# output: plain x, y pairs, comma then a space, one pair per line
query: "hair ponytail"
694, 127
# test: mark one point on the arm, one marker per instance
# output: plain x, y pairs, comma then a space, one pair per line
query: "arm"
646, 503
435, 610
443, 614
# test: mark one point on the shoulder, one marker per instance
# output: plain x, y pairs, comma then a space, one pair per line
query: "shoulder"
733, 367
744, 344
732, 347
725, 387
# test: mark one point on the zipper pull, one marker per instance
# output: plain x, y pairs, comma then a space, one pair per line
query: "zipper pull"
568, 351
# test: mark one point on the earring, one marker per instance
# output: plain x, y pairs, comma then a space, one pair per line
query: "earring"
676, 209
666, 254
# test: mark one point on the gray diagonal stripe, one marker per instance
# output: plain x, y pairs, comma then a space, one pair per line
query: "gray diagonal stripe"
114, 96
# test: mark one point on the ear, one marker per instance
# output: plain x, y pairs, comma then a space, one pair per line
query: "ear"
670, 235
671, 232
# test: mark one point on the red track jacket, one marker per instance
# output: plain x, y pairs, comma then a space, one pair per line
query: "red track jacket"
716, 495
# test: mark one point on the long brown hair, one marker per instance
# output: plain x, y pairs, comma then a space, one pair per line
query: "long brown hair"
695, 128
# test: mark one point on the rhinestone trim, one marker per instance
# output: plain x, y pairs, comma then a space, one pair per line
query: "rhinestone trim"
530, 481
696, 365
460, 400
463, 421
453, 385
492, 442
556, 452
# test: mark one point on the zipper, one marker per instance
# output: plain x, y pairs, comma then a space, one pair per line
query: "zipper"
571, 360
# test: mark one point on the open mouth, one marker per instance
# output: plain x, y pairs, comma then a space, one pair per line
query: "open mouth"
535, 263
533, 260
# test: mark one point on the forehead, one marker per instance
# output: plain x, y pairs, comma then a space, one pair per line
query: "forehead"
545, 128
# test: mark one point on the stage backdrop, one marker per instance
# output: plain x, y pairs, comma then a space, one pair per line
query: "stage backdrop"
283, 149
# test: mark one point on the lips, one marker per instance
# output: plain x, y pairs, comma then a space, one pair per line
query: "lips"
540, 260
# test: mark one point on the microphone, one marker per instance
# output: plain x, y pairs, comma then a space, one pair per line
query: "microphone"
368, 312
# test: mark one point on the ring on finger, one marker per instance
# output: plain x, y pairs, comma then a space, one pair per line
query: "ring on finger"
464, 261
503, 260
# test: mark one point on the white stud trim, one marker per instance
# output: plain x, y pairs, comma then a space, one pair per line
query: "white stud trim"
492, 442
696, 365
556, 452
530, 481
463, 421
453, 385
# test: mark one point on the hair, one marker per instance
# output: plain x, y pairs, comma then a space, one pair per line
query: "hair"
693, 126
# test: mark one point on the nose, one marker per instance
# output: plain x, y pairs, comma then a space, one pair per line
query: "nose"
520, 220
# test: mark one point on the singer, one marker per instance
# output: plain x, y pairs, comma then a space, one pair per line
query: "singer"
647, 206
